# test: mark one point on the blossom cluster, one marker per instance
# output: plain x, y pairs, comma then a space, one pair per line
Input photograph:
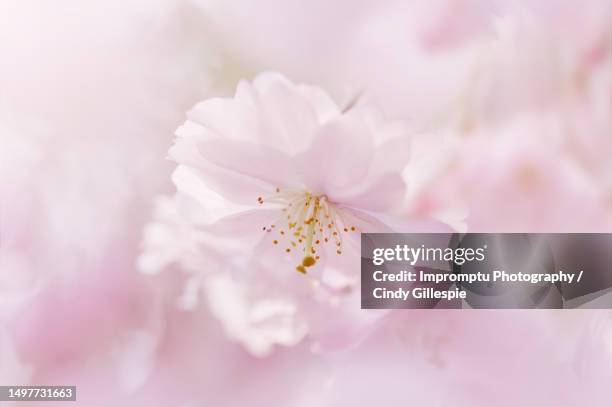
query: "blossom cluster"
212, 257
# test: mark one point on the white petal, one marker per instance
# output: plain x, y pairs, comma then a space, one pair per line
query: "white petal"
258, 161
258, 322
382, 194
218, 115
340, 156
287, 119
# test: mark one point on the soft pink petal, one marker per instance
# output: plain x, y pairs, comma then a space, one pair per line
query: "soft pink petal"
381, 194
339, 157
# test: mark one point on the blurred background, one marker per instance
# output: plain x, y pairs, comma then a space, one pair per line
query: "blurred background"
515, 98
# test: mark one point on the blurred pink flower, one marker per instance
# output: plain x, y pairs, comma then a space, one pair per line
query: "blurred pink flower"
435, 63
289, 180
588, 121
90, 95
519, 182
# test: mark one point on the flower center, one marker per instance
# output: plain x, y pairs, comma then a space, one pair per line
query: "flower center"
305, 224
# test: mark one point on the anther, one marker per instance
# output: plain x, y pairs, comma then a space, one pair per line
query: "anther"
308, 261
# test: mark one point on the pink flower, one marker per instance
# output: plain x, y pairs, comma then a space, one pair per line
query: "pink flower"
286, 181
76, 185
425, 61
516, 182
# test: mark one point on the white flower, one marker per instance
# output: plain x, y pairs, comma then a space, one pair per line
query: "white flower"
285, 181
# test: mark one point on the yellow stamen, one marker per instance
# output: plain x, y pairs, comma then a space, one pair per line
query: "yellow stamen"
310, 220
308, 261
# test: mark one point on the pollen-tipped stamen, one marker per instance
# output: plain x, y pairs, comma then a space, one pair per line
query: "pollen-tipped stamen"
310, 220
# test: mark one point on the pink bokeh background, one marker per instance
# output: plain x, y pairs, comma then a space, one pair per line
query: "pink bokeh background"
510, 105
